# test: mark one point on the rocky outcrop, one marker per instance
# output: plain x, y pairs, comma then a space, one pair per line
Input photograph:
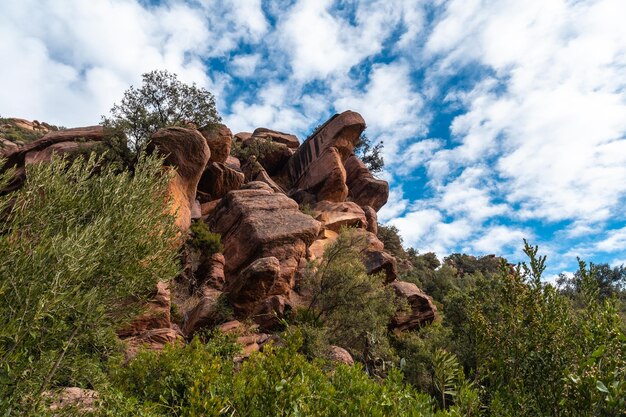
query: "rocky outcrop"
365, 190
421, 309
372, 219
334, 216
255, 224
206, 312
291, 141
67, 143
218, 179
219, 138
78, 400
254, 172
340, 355
155, 339
156, 313
325, 178
187, 153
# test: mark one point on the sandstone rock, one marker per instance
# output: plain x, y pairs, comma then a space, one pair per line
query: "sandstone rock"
339, 354
242, 136
336, 215
317, 248
156, 315
254, 172
187, 152
257, 185
203, 314
325, 177
365, 190
215, 276
342, 132
377, 260
233, 326
232, 162
253, 284
67, 142
6, 145
287, 139
218, 179
80, 400
255, 224
372, 219
421, 307
268, 311
154, 339
219, 138
207, 208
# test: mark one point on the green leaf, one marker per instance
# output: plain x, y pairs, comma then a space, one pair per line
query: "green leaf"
601, 387
598, 352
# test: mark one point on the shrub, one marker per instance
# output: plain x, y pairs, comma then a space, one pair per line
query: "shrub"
204, 239
75, 245
370, 155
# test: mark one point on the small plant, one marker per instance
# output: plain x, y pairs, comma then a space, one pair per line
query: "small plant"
258, 148
204, 239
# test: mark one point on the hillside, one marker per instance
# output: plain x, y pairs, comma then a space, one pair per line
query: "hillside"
247, 274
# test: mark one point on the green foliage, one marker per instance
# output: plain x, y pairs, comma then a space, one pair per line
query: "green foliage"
370, 155
75, 246
161, 101
258, 148
354, 307
205, 240
390, 237
200, 380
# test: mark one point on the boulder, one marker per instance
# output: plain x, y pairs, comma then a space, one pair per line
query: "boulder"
325, 178
336, 215
267, 313
340, 355
365, 190
155, 316
342, 132
233, 162
257, 223
187, 152
287, 139
219, 138
68, 142
421, 309
317, 248
372, 219
242, 136
218, 179
376, 259
254, 172
204, 313
256, 282
154, 339
79, 400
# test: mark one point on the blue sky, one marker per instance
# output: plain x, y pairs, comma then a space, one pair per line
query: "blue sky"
501, 119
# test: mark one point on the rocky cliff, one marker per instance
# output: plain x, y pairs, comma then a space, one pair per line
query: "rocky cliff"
276, 209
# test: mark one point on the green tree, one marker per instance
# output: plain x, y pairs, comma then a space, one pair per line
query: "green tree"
355, 308
80, 243
161, 101
370, 155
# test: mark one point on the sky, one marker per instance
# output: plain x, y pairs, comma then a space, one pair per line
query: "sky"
501, 120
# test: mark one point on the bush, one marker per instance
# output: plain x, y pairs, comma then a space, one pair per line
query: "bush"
354, 307
75, 247
370, 155
205, 240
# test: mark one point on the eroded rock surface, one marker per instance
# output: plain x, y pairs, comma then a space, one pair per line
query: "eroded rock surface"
421, 309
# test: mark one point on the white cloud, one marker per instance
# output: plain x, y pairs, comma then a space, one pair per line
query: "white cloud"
497, 239
614, 241
396, 205
245, 65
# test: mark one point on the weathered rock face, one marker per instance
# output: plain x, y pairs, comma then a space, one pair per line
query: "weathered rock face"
274, 159
421, 308
187, 152
68, 142
254, 172
218, 179
365, 190
287, 139
81, 400
254, 224
372, 219
155, 339
342, 132
156, 315
219, 138
333, 216
204, 313
325, 178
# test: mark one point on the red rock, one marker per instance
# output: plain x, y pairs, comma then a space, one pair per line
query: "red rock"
242, 136
268, 312
232, 162
342, 132
365, 190
377, 260
203, 314
372, 219
325, 178
155, 339
421, 308
218, 179
287, 139
333, 215
219, 138
254, 283
157, 314
186, 151
233, 326
338, 354
255, 172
